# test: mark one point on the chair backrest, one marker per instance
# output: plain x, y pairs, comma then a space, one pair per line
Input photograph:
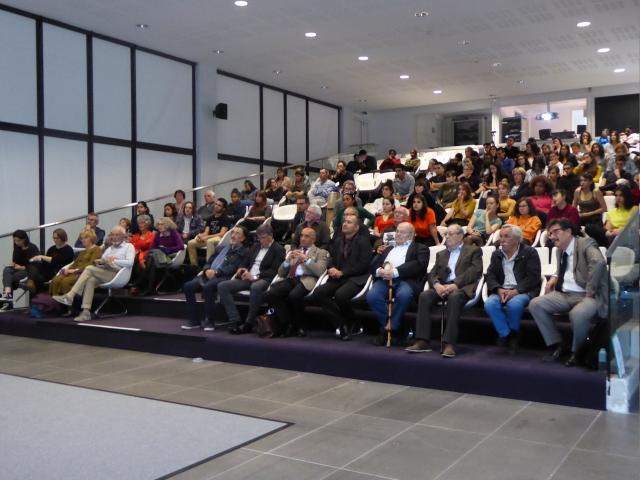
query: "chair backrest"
610, 201
543, 253
178, 260
285, 213
120, 280
432, 255
371, 208
384, 176
486, 257
365, 182
544, 237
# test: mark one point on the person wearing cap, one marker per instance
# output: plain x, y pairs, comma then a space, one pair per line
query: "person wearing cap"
362, 163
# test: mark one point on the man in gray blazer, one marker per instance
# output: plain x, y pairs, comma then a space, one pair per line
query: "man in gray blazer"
299, 273
579, 288
454, 278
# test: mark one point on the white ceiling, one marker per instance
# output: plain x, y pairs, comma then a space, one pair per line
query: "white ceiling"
535, 40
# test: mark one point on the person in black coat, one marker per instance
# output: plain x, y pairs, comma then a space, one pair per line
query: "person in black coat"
348, 271
362, 163
513, 279
255, 274
220, 266
405, 264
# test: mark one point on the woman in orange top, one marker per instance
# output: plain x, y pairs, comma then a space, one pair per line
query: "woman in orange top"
423, 220
142, 240
462, 207
384, 220
525, 217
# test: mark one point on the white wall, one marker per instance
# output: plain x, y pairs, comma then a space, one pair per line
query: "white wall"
239, 134
273, 120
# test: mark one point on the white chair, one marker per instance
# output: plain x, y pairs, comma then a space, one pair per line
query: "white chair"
371, 208
536, 241
622, 262
119, 281
544, 238
176, 262
441, 230
384, 176
285, 213
610, 201
365, 182
433, 251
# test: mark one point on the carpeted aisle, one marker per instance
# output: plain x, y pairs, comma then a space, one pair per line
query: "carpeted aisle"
55, 431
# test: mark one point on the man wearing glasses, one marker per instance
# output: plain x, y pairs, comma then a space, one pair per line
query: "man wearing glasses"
454, 279
579, 288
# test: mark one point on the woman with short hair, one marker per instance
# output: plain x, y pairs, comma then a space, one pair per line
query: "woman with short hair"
43, 268
68, 275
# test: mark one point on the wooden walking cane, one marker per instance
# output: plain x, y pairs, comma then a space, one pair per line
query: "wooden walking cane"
389, 267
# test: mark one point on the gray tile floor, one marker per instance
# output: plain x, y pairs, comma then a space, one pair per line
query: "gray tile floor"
352, 430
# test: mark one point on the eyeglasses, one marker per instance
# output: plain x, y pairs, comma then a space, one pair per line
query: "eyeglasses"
554, 231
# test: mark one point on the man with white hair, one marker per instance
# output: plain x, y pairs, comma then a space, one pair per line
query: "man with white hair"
313, 219
401, 267
118, 256
513, 279
206, 210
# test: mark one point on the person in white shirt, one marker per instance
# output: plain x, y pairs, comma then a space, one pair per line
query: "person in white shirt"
118, 256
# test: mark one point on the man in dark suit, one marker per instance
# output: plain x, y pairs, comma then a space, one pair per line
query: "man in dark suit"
299, 273
220, 266
454, 278
313, 219
255, 274
362, 163
578, 288
348, 270
513, 279
404, 265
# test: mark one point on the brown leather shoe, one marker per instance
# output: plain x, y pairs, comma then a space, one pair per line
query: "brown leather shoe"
449, 351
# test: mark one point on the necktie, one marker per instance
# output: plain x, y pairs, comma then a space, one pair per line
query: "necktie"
294, 266
564, 259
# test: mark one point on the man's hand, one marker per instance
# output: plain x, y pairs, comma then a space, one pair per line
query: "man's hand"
449, 289
441, 290
334, 273
246, 275
508, 295
209, 273
551, 285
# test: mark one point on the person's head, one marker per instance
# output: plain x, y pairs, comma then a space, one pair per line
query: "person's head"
362, 155
464, 191
125, 223
586, 182
235, 196
349, 186
559, 198
165, 224
59, 237
561, 232
324, 174
179, 196
419, 203
439, 168
540, 186
348, 200
525, 207
538, 164
621, 149
249, 186
604, 133
521, 160
614, 137
585, 137
298, 176
209, 197
450, 176
88, 237
553, 173
404, 233
503, 189
510, 238
518, 174
510, 142
271, 184
623, 136
144, 222
400, 172
170, 210
312, 214
596, 150
350, 225
388, 205
387, 189
624, 199
401, 214
491, 204
351, 211
546, 149
307, 237
493, 151
432, 164
92, 220
341, 166
20, 238
302, 203
264, 233
238, 235
564, 151
261, 198
187, 209
219, 206
453, 236
553, 158
117, 235
467, 162
392, 153
494, 171
413, 152
557, 143
281, 173
620, 162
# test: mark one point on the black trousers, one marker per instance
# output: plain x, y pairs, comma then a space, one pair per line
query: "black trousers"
455, 304
335, 299
287, 297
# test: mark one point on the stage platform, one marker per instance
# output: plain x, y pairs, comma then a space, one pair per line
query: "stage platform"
479, 368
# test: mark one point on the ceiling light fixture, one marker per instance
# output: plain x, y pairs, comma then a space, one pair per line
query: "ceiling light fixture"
421, 14
311, 34
521, 82
604, 50
404, 77
583, 24
218, 52
496, 65
277, 72
464, 43
324, 87
362, 100
618, 70
437, 92
142, 25
363, 58
241, 3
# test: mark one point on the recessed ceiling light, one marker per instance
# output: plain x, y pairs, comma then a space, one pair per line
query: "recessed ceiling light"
277, 72
241, 3
618, 70
362, 100
142, 25
604, 50
324, 87
218, 52
464, 43
421, 14
496, 65
311, 34
492, 95
437, 92
404, 77
363, 58
521, 82
583, 24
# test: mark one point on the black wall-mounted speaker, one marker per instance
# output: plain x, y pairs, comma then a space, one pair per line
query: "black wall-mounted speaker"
581, 128
220, 111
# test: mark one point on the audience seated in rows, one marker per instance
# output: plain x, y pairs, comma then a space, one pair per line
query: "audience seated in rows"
462, 207
321, 188
141, 209
92, 223
215, 227
313, 220
483, 223
235, 209
42, 268
525, 216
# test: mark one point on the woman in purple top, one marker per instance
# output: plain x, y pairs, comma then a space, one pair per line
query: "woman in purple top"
166, 244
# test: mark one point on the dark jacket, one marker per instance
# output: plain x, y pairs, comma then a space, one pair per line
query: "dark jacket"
369, 165
526, 269
232, 261
323, 235
468, 269
270, 262
356, 266
413, 270
523, 190
196, 225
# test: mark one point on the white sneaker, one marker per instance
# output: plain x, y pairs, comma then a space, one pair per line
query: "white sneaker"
63, 299
85, 315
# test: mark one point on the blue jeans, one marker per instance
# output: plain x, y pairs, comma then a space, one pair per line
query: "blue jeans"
378, 296
506, 317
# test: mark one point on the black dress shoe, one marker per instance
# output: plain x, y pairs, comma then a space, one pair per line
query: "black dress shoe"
245, 328
514, 342
345, 333
555, 355
301, 332
572, 361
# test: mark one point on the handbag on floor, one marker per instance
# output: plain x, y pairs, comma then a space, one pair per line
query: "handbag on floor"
267, 326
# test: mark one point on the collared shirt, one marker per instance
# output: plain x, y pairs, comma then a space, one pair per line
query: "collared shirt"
397, 257
255, 268
507, 266
124, 254
454, 254
323, 189
569, 284
299, 269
